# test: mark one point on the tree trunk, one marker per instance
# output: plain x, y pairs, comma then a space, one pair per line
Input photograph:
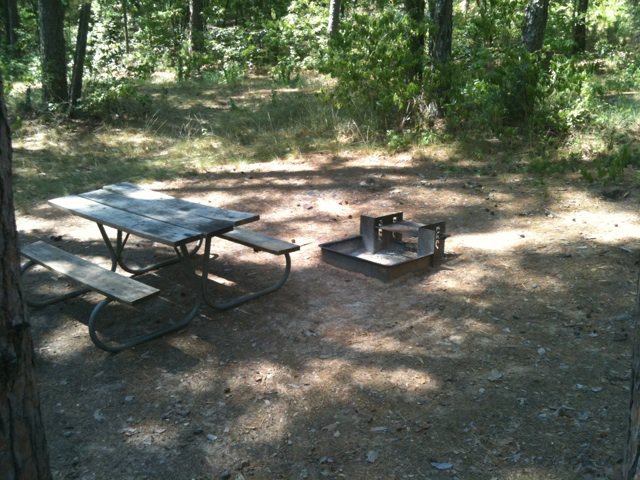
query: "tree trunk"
23, 448
631, 466
580, 26
522, 104
441, 14
12, 22
81, 50
125, 21
196, 25
416, 11
54, 62
535, 23
440, 39
334, 17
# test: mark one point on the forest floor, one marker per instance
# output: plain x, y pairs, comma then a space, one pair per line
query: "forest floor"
509, 361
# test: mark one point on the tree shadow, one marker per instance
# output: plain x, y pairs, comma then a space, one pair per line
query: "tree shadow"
510, 361
501, 363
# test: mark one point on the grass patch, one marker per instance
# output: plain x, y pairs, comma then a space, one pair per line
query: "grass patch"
190, 128
187, 129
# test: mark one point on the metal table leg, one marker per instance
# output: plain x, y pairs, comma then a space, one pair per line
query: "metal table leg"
234, 302
116, 253
183, 255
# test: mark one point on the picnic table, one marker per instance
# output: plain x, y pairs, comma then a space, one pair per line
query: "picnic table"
135, 211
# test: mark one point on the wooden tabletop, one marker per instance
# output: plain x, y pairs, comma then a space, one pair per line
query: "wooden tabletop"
152, 215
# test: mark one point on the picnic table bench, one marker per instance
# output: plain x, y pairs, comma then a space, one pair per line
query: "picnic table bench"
170, 221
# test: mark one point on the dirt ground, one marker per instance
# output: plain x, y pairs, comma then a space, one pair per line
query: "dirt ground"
509, 361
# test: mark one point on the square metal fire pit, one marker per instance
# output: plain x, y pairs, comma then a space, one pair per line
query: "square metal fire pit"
380, 251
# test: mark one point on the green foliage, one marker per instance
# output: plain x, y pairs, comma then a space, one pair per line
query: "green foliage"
369, 59
545, 166
382, 88
612, 24
119, 99
612, 164
294, 41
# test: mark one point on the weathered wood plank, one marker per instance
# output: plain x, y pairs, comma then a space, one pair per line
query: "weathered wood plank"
260, 241
160, 209
97, 278
177, 204
144, 227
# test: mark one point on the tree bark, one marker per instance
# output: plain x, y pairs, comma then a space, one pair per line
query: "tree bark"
23, 448
416, 11
631, 465
334, 17
580, 26
440, 40
522, 104
440, 35
12, 22
125, 21
81, 50
196, 25
535, 24
54, 62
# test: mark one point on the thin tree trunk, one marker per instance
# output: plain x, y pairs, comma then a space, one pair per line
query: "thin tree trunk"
125, 21
23, 447
526, 84
580, 26
196, 25
416, 11
334, 17
54, 62
12, 22
440, 36
440, 40
81, 50
535, 24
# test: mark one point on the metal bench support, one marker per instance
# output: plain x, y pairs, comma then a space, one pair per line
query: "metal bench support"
94, 278
251, 239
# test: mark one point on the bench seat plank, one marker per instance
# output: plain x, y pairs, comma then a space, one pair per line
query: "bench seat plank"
134, 191
144, 227
260, 241
104, 281
159, 210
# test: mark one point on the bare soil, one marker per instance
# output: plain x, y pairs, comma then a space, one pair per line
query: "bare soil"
509, 361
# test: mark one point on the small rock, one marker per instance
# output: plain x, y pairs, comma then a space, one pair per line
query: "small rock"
495, 375
584, 416
372, 456
442, 465
378, 429
211, 437
541, 351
